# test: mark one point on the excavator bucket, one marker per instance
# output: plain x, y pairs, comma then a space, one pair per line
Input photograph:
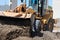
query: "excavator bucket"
20, 13
20, 16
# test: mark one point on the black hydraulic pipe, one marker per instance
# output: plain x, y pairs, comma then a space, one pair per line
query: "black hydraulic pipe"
40, 9
21, 0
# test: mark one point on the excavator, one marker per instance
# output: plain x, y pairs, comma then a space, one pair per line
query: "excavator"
36, 16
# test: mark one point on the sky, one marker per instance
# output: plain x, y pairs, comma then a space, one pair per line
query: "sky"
3, 2
50, 2
7, 1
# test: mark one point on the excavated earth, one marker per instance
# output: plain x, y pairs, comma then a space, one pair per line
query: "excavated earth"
16, 32
46, 36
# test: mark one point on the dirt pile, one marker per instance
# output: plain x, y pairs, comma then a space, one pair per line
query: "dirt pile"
14, 32
9, 32
23, 38
50, 36
28, 38
46, 36
58, 34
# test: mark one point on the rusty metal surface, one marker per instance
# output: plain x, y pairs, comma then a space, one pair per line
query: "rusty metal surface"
19, 12
16, 15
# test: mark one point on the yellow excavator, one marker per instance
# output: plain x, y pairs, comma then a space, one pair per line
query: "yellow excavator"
36, 16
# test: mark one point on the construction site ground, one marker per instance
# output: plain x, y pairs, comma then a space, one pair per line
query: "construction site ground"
55, 35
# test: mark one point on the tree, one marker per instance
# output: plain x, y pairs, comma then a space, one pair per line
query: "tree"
49, 7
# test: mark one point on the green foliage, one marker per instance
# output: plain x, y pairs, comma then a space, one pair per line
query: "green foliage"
49, 7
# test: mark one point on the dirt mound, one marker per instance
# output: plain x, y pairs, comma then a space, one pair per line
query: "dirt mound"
10, 33
23, 38
15, 32
50, 36
58, 34
46, 36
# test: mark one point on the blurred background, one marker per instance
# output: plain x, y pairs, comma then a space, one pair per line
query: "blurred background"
11, 4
